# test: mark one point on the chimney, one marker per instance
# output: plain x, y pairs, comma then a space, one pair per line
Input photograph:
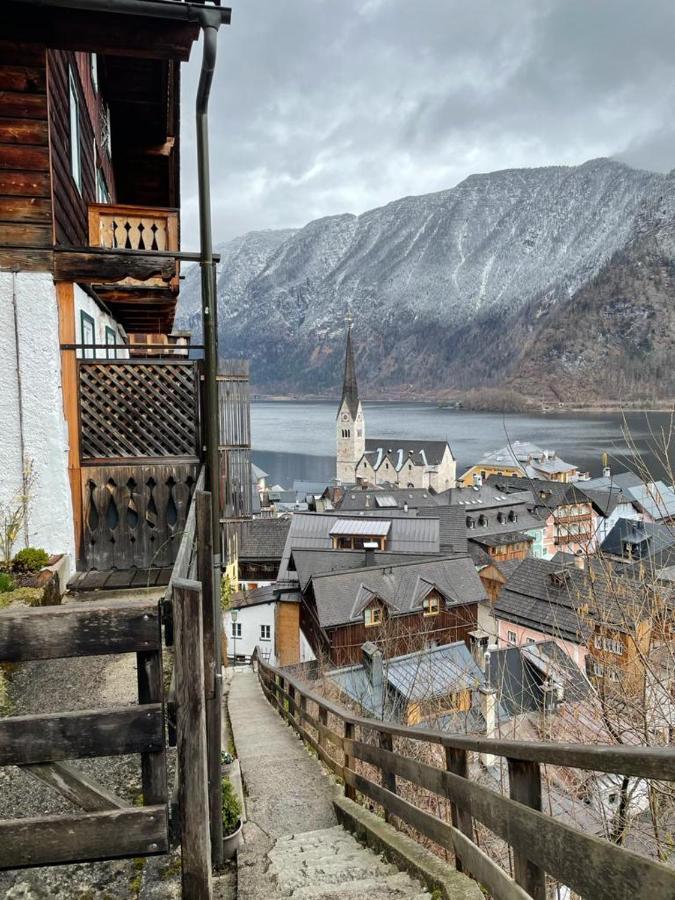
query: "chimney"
606, 472
477, 480
370, 547
488, 707
367, 503
372, 663
580, 562
405, 506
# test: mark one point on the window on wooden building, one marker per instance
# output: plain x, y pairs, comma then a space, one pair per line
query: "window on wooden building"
372, 616
75, 150
431, 606
87, 335
111, 341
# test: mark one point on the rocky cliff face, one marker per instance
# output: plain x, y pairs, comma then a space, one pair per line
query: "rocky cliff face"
541, 279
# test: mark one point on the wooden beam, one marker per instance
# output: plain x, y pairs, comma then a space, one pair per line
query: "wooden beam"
21, 259
65, 299
75, 786
25, 740
77, 629
83, 838
101, 268
191, 733
150, 690
525, 787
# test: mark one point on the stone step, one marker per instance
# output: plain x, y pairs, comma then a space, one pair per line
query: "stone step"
395, 887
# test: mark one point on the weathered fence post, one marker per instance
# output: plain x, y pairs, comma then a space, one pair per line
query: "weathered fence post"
457, 762
290, 690
212, 680
388, 778
323, 719
191, 741
525, 787
350, 792
151, 690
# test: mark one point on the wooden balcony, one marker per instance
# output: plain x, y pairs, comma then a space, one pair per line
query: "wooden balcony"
140, 278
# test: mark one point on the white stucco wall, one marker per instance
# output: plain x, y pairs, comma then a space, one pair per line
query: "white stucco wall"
84, 303
251, 618
50, 520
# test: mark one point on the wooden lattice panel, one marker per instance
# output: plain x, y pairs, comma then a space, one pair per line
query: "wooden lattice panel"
139, 409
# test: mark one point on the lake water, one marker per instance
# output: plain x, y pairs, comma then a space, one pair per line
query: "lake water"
296, 439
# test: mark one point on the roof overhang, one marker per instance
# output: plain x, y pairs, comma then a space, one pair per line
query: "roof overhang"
163, 29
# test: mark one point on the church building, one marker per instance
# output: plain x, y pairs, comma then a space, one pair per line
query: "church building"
402, 464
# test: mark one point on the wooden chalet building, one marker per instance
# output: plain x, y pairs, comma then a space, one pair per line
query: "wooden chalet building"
98, 398
401, 608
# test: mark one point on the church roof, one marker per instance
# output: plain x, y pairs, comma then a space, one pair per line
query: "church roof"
422, 453
350, 389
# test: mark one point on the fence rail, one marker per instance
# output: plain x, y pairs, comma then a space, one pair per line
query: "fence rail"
541, 844
108, 827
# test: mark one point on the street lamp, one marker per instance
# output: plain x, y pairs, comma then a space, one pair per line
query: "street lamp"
233, 616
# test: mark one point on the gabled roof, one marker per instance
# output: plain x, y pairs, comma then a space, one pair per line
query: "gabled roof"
263, 538
402, 587
312, 531
544, 494
532, 597
350, 389
648, 540
322, 562
518, 674
452, 527
422, 453
429, 674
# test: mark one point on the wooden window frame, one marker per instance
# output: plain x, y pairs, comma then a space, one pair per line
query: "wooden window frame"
89, 320
431, 606
376, 616
74, 130
110, 332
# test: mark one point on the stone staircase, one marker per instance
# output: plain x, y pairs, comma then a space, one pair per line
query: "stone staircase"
330, 864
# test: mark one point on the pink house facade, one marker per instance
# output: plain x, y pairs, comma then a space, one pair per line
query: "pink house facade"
511, 634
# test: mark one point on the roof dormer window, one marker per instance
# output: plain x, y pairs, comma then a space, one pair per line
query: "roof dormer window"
431, 605
372, 616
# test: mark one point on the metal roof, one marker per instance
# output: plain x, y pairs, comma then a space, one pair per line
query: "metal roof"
361, 526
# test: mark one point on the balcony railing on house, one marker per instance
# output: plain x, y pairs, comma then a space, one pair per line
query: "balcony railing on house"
542, 846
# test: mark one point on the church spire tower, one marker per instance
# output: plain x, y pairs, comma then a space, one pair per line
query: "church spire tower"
350, 425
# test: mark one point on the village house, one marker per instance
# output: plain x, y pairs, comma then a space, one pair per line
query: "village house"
415, 688
521, 458
400, 607
640, 544
261, 546
266, 619
429, 465
571, 518
542, 600
654, 501
89, 279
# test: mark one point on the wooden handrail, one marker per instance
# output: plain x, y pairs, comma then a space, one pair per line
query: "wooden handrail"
541, 844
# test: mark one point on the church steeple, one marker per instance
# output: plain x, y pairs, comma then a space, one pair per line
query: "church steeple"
350, 431
350, 389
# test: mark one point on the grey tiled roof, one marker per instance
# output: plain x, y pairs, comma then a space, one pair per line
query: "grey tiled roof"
431, 451
518, 674
401, 587
649, 540
452, 527
263, 538
322, 562
531, 598
376, 499
311, 531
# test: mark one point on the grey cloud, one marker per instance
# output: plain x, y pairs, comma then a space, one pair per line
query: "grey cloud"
320, 108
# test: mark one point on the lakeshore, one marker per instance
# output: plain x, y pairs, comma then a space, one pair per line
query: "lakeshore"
295, 439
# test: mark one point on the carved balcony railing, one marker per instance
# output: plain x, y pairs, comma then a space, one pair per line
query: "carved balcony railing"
114, 226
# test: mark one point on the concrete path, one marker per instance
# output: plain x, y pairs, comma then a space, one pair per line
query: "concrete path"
293, 846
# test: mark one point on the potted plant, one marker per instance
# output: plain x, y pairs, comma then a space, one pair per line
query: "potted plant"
231, 820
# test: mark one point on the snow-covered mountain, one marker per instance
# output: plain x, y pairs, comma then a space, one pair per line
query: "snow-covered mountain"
453, 289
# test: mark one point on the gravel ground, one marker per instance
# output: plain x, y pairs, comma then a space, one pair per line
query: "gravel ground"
71, 684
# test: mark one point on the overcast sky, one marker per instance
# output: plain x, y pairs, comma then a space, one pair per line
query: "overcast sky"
328, 106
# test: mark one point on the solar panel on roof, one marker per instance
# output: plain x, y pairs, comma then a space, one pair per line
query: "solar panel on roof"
387, 501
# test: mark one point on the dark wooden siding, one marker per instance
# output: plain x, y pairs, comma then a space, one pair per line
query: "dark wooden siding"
402, 634
25, 204
70, 206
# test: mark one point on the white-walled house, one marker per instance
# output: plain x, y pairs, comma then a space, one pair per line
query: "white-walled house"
267, 619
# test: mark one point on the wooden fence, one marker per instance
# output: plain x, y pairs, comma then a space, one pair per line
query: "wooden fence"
541, 845
108, 826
